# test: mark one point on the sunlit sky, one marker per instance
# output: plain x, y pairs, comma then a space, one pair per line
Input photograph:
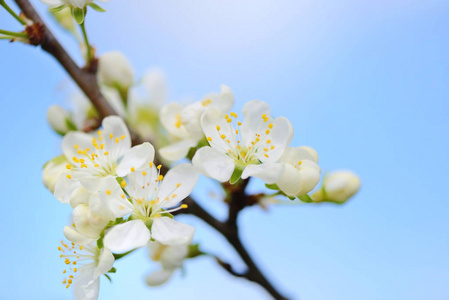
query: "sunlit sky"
365, 83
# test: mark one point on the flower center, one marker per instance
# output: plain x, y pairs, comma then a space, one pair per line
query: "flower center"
97, 161
74, 258
245, 149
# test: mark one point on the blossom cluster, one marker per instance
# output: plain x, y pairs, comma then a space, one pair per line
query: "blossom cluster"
122, 199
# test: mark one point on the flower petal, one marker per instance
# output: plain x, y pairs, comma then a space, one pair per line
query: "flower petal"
178, 184
225, 101
170, 232
65, 187
268, 172
85, 289
116, 136
214, 164
146, 178
253, 122
177, 150
113, 198
289, 183
74, 236
127, 236
74, 141
138, 157
105, 262
159, 277
170, 116
281, 135
218, 132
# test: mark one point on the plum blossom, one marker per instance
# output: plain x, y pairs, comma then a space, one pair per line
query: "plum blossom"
85, 265
115, 71
152, 196
183, 123
251, 148
94, 158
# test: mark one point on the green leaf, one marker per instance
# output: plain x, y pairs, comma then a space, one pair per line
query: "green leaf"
305, 198
107, 276
272, 186
97, 7
118, 256
113, 270
78, 14
57, 8
236, 175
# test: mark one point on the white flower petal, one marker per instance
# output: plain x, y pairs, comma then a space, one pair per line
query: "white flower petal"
74, 236
218, 139
225, 101
105, 262
91, 183
253, 122
281, 135
146, 178
177, 150
127, 236
268, 172
170, 232
113, 198
74, 141
85, 289
172, 257
115, 70
116, 146
138, 157
170, 116
289, 183
65, 187
79, 196
159, 277
186, 176
214, 164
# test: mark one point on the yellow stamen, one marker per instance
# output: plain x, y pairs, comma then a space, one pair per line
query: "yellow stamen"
133, 169
184, 206
209, 139
108, 192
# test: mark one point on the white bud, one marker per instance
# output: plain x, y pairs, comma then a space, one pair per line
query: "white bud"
115, 70
338, 187
58, 119
64, 18
52, 170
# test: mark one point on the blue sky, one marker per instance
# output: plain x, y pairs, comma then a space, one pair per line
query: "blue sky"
365, 83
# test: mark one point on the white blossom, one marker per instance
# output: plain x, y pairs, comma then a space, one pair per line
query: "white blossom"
85, 265
252, 147
94, 158
183, 123
151, 196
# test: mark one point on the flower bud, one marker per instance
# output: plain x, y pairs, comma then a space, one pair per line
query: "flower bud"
64, 18
338, 187
52, 170
115, 70
59, 119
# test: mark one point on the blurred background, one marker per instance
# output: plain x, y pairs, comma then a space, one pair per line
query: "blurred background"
365, 83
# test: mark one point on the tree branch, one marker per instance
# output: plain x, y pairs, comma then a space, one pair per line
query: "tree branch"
86, 80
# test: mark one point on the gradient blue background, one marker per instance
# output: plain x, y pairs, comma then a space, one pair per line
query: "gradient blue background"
364, 82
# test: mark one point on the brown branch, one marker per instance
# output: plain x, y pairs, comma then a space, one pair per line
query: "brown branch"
86, 80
